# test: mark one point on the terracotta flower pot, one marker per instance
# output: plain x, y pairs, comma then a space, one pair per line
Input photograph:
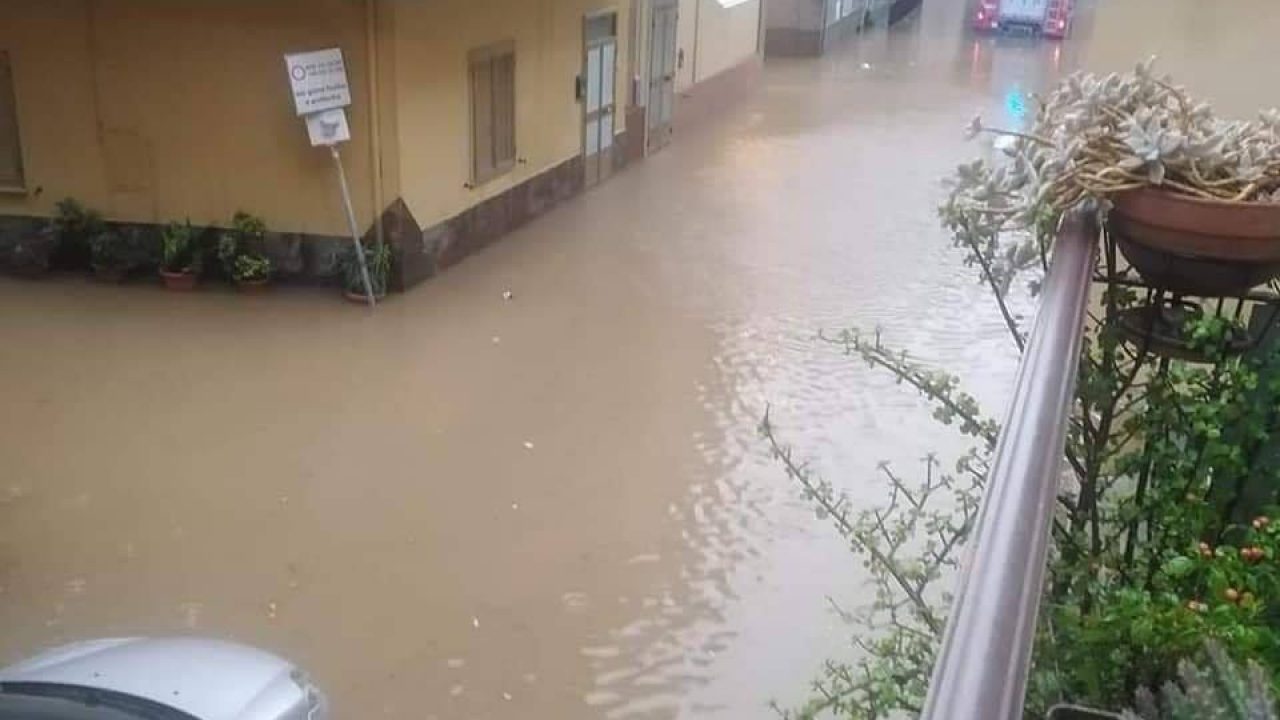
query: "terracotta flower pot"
360, 298
109, 274
1198, 247
180, 281
253, 287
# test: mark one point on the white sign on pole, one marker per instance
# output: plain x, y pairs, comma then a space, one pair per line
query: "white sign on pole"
319, 80
328, 128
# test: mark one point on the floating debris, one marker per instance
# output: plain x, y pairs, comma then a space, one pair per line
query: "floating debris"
528, 445
456, 690
508, 295
271, 610
475, 622
644, 559
506, 696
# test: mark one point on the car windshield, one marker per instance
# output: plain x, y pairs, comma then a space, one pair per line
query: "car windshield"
48, 701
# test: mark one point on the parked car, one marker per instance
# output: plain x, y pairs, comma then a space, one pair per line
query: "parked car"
1051, 18
158, 679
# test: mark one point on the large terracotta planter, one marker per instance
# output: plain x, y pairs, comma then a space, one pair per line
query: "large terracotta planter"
253, 287
109, 275
182, 282
1198, 247
360, 298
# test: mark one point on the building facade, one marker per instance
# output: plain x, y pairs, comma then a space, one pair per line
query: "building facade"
807, 28
468, 117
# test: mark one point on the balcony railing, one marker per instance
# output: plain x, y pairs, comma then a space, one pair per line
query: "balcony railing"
981, 670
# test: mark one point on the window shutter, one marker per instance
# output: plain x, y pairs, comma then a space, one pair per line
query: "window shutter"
10, 144
493, 111
504, 111
481, 119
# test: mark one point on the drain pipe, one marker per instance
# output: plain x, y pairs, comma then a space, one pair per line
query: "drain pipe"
375, 115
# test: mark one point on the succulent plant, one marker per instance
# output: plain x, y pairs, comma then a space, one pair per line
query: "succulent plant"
1219, 691
1092, 138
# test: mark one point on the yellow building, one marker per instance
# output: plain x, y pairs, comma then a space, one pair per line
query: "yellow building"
468, 117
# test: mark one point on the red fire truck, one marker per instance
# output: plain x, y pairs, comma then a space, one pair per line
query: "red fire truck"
1045, 17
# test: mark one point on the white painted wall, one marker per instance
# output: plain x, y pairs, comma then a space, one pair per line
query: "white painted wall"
716, 38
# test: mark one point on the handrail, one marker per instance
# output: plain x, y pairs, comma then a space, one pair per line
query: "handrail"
981, 670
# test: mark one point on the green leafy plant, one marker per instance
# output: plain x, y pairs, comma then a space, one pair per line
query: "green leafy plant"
75, 227
180, 249
119, 251
251, 268
247, 235
378, 259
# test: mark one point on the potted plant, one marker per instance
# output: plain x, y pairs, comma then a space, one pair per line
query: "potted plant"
240, 251
180, 260
378, 260
75, 227
30, 253
251, 272
1219, 689
1192, 200
116, 253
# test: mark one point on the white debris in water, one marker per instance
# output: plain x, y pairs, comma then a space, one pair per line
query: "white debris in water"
508, 295
191, 614
456, 690
496, 339
644, 559
506, 696
866, 66
455, 663
271, 610
601, 697
515, 506
475, 622
528, 445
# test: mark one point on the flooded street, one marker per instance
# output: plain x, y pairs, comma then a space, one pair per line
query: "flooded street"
553, 506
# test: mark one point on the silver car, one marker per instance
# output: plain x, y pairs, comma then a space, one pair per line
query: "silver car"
158, 679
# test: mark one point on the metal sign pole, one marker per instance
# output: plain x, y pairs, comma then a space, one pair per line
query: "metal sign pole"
355, 231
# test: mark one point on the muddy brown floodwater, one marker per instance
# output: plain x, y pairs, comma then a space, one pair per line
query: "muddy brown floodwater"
549, 507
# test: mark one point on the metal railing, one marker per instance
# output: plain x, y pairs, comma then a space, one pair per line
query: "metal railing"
981, 670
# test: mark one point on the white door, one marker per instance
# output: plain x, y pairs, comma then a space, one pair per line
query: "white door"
662, 74
599, 98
